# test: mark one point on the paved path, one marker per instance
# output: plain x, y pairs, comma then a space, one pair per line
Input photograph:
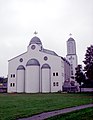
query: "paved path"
45, 115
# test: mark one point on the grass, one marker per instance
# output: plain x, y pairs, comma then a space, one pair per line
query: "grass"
85, 114
13, 106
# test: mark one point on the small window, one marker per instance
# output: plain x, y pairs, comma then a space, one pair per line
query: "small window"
71, 66
13, 84
56, 83
10, 84
13, 75
53, 74
45, 58
53, 83
71, 72
21, 60
33, 47
56, 73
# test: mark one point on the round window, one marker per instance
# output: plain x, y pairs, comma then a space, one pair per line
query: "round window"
33, 47
45, 58
21, 60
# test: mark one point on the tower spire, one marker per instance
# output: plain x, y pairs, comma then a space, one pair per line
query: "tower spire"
70, 34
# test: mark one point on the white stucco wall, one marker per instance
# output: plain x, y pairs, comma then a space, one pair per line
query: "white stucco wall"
46, 80
20, 84
12, 69
32, 79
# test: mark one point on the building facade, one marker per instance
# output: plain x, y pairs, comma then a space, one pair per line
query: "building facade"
37, 70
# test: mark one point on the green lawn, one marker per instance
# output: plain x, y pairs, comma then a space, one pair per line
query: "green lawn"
85, 114
13, 106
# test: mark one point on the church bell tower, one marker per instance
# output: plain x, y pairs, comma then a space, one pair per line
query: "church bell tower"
72, 56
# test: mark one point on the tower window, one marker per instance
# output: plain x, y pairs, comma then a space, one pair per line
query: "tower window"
71, 72
71, 66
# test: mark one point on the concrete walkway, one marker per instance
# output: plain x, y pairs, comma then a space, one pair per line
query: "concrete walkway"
45, 115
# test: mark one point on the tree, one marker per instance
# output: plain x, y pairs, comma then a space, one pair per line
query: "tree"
1, 79
79, 75
89, 63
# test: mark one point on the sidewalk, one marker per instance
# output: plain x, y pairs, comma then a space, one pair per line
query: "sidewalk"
45, 115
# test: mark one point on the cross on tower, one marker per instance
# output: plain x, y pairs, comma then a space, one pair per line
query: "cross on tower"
35, 32
70, 34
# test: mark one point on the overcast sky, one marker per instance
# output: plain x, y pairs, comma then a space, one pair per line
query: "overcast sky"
54, 20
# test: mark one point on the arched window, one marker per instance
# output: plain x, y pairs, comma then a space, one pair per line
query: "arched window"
32, 62
45, 66
21, 67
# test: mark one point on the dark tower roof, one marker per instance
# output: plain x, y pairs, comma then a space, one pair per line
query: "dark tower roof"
35, 40
71, 39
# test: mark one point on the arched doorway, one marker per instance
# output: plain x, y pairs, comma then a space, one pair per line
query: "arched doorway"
20, 79
32, 84
46, 78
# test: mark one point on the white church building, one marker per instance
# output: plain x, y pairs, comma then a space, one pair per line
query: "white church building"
37, 70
